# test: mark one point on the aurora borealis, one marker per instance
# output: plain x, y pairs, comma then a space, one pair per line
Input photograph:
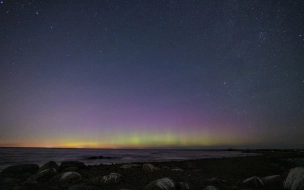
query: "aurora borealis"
138, 74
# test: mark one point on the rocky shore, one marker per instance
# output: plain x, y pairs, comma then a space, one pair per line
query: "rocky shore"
272, 170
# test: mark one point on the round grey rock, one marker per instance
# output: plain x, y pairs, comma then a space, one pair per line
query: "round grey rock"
252, 183
161, 184
48, 165
149, 168
44, 174
69, 176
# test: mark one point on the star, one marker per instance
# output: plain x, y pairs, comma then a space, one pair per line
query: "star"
175, 74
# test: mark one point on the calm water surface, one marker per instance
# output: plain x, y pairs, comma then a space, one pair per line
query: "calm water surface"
13, 156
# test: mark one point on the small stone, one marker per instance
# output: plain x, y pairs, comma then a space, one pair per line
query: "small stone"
149, 168
251, 183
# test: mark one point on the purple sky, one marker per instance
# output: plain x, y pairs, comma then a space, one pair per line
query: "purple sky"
121, 74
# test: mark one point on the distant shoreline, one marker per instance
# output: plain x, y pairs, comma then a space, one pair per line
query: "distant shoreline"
16, 155
39, 155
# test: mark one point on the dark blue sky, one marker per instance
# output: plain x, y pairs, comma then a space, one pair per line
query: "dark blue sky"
152, 73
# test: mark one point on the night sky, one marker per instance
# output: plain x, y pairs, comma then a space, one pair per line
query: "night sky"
141, 73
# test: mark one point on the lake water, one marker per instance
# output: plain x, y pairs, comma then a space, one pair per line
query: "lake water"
13, 156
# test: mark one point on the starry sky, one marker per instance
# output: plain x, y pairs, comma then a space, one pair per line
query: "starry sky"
141, 73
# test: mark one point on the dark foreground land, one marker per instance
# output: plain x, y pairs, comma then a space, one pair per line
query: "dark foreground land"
222, 173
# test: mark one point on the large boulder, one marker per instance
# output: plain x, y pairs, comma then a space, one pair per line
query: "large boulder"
149, 168
69, 176
21, 169
84, 187
68, 164
161, 184
44, 174
252, 183
48, 165
107, 179
295, 179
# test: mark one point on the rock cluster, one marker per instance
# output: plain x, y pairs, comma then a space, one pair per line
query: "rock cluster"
66, 176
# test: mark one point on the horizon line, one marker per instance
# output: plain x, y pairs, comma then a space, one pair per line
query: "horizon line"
151, 148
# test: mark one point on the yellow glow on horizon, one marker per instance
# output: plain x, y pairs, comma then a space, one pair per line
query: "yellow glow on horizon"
141, 140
